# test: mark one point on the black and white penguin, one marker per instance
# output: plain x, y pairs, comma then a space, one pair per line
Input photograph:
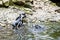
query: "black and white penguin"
19, 21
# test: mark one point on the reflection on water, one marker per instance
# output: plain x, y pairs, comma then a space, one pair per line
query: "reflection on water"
47, 31
37, 28
53, 30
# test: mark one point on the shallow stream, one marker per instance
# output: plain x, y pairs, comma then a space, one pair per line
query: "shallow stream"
49, 31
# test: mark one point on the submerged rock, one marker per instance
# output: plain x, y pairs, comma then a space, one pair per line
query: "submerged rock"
20, 3
37, 28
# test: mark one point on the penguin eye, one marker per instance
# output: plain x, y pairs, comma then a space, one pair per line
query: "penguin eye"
23, 14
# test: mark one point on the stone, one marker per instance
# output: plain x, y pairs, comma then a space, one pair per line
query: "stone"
5, 1
37, 28
58, 10
3, 25
14, 0
1, 3
20, 3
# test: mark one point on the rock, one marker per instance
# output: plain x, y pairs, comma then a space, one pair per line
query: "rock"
58, 10
20, 3
37, 28
53, 21
56, 1
3, 25
5, 1
28, 11
1, 3
14, 0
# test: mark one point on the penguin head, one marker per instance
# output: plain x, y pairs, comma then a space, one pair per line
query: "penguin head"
23, 15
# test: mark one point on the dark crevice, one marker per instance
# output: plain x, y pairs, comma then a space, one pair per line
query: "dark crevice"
56, 1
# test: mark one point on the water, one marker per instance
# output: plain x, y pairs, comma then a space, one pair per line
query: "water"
49, 31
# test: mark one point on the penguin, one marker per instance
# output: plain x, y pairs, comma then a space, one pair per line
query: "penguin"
19, 21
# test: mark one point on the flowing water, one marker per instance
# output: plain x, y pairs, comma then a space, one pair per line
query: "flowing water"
48, 31
45, 31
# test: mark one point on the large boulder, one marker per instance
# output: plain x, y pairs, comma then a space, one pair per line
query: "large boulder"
10, 2
56, 1
4, 3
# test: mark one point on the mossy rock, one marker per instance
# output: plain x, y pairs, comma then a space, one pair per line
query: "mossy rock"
1, 3
57, 2
6, 3
15, 2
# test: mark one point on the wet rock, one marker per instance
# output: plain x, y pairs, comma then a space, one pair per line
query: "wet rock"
37, 28
1, 3
20, 3
27, 6
53, 21
56, 1
58, 10
2, 24
5, 3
